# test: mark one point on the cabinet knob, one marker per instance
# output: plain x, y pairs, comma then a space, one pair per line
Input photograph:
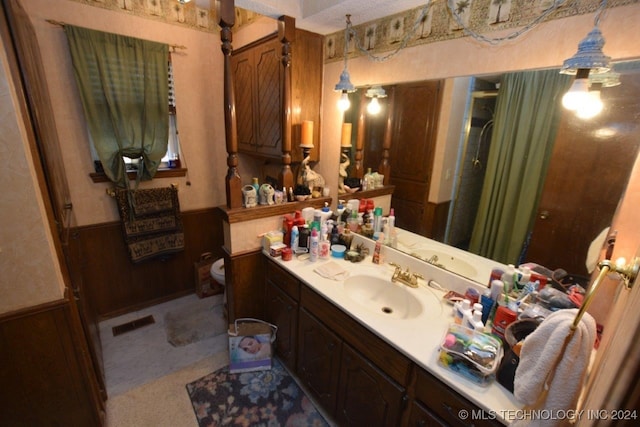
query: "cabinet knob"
544, 214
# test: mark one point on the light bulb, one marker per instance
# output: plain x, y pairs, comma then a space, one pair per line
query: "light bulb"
374, 106
576, 95
343, 102
591, 106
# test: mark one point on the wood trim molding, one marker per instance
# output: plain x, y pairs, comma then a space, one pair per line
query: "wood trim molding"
258, 212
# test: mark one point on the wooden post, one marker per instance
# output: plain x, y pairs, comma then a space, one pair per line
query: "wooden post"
233, 184
286, 35
358, 170
385, 165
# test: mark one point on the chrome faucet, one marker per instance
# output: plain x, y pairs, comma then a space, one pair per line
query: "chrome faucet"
405, 277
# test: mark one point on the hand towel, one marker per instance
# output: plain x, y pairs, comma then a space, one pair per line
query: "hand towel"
332, 270
551, 373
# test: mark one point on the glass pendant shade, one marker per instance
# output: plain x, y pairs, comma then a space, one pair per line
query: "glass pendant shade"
589, 56
345, 82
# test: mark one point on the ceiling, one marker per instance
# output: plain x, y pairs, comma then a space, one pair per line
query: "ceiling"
328, 16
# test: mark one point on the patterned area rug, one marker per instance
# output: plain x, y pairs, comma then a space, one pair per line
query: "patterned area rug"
262, 398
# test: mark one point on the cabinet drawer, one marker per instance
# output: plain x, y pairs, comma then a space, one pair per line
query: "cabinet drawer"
446, 403
284, 280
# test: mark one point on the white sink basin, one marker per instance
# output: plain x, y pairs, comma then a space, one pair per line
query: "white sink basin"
382, 296
448, 261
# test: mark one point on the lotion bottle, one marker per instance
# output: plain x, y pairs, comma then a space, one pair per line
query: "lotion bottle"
313, 245
460, 309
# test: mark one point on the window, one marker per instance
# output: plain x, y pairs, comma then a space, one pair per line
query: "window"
171, 159
124, 87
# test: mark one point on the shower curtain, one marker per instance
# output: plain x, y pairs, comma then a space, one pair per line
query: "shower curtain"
528, 111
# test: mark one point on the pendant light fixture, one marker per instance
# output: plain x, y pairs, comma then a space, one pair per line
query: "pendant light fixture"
345, 86
375, 93
584, 96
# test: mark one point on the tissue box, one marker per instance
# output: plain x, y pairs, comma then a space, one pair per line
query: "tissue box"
272, 238
471, 354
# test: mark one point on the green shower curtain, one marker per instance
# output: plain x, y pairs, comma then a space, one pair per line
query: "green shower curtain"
123, 83
525, 126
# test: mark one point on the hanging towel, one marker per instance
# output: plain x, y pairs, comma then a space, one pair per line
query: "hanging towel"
553, 365
151, 222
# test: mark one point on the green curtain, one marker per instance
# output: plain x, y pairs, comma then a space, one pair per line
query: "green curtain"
528, 111
123, 83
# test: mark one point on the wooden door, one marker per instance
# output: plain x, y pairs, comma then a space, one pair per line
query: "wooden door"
589, 170
43, 137
415, 120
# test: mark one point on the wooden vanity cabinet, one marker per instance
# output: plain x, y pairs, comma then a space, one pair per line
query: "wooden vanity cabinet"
282, 292
444, 405
355, 376
258, 79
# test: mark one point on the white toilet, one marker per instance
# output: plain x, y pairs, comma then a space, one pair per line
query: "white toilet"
217, 273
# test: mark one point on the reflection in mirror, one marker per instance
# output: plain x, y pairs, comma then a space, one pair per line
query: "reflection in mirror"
582, 176
367, 150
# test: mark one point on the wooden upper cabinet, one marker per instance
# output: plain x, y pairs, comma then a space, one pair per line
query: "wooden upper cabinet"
258, 75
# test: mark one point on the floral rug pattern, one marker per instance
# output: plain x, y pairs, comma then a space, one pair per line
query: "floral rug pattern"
263, 398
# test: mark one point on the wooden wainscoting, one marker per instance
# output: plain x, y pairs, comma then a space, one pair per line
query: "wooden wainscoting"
47, 378
113, 285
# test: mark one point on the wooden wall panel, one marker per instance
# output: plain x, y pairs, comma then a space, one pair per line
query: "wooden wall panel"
114, 285
244, 276
46, 380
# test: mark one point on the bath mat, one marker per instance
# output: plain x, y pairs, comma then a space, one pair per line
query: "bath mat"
194, 322
265, 398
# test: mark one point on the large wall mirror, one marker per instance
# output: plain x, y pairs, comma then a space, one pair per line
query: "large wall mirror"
582, 169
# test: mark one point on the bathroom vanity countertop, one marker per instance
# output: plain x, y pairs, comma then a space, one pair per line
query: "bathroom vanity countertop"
418, 337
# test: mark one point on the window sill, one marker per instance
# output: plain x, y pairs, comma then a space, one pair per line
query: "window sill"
162, 173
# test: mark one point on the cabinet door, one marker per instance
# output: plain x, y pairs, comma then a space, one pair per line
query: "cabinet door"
449, 405
318, 360
269, 75
243, 68
366, 396
282, 311
420, 416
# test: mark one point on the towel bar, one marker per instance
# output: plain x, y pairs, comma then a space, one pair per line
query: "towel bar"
628, 274
112, 191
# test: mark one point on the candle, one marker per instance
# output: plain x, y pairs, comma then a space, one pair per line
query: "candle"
307, 134
346, 135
